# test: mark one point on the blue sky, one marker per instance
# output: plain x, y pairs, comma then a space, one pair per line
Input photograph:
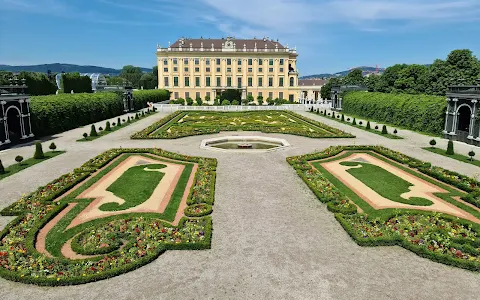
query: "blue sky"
330, 35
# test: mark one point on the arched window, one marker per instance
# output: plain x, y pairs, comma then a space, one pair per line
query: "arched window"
292, 81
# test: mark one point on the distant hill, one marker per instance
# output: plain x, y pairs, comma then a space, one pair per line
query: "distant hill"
67, 68
365, 70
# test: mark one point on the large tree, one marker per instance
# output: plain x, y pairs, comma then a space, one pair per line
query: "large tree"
132, 74
326, 90
411, 79
355, 77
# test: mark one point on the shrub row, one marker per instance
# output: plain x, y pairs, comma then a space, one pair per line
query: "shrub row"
76, 83
423, 113
57, 113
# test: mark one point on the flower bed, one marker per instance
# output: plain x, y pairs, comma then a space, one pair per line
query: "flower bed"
439, 237
119, 243
182, 124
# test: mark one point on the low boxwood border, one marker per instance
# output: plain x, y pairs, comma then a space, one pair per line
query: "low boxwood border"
151, 131
327, 193
41, 203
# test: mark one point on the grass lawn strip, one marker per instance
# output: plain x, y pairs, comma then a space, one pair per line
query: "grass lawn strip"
182, 124
456, 156
439, 237
15, 168
136, 185
375, 178
113, 128
121, 243
371, 130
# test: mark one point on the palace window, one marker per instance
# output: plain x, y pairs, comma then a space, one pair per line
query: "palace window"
165, 61
165, 70
281, 61
260, 70
229, 61
197, 61
239, 70
292, 81
197, 69
176, 95
187, 95
270, 62
290, 98
187, 81
185, 61
165, 81
208, 95
270, 81
260, 94
260, 81
250, 70
281, 70
270, 95
218, 70
250, 61
219, 81
197, 95
229, 70
175, 69
280, 81
270, 70
280, 95
175, 61
207, 70
239, 82
197, 81
207, 81
185, 69
207, 61
229, 81
250, 81
260, 62
239, 62
218, 61
175, 81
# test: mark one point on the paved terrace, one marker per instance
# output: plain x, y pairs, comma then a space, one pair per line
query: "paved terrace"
272, 238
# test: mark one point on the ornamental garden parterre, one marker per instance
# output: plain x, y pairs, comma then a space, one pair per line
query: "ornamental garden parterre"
382, 197
115, 213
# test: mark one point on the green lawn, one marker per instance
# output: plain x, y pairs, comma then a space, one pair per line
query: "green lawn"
372, 130
459, 157
135, 186
384, 183
182, 124
28, 163
113, 128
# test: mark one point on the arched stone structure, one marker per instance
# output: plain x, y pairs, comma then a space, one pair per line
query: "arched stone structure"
461, 116
338, 91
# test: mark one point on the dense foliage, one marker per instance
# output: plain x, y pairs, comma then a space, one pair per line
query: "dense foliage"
416, 112
57, 113
38, 83
76, 83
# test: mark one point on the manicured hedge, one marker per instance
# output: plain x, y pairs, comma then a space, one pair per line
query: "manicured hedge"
416, 112
38, 84
140, 98
58, 113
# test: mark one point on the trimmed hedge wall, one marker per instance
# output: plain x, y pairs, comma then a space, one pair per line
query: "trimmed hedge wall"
38, 83
416, 112
140, 98
76, 83
57, 113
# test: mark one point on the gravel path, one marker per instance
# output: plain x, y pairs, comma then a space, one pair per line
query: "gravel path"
272, 238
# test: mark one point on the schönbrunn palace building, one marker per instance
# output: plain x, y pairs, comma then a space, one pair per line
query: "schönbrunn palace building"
206, 67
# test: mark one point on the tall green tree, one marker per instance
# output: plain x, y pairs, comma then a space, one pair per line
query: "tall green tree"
132, 74
411, 79
355, 77
326, 90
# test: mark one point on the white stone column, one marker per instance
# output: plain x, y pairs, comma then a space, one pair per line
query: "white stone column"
22, 124
446, 116
472, 120
5, 123
455, 117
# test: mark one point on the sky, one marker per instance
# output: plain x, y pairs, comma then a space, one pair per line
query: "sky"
330, 35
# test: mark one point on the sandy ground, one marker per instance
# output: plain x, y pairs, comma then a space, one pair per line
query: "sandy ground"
272, 238
420, 188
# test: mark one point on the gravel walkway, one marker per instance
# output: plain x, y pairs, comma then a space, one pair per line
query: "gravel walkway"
272, 238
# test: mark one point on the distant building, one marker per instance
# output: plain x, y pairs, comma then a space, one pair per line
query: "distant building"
206, 67
310, 90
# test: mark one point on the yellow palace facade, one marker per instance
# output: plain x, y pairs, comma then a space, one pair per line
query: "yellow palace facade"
206, 67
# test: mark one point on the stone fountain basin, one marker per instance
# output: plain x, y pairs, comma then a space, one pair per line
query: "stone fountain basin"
214, 143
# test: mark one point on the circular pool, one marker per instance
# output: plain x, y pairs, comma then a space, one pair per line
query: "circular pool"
244, 144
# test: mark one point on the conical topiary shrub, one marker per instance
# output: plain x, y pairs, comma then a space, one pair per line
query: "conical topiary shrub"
343, 118
368, 125
38, 151
108, 127
450, 148
354, 121
384, 129
128, 120
333, 114
2, 169
93, 131
52, 146
119, 123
